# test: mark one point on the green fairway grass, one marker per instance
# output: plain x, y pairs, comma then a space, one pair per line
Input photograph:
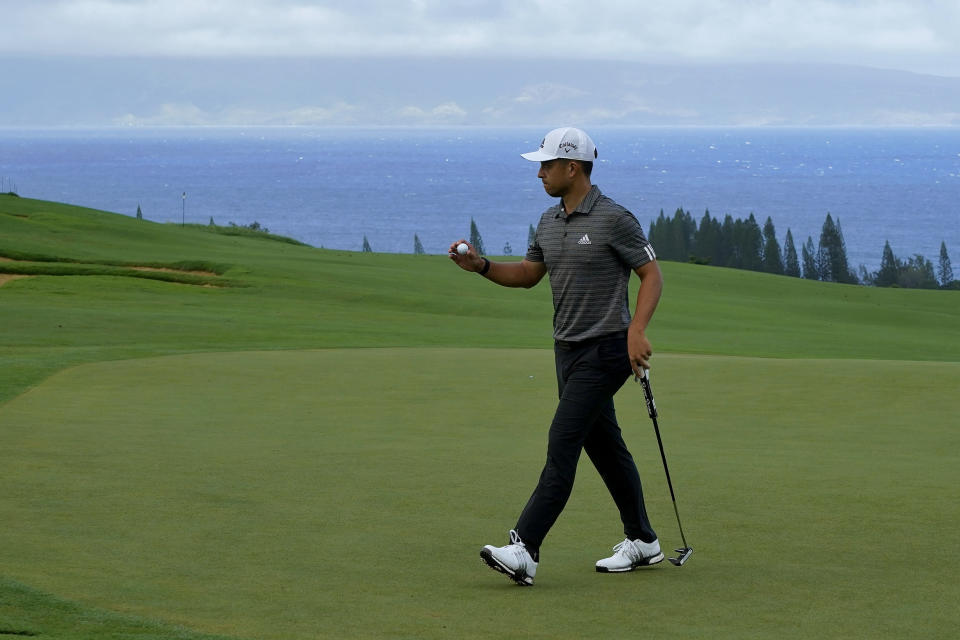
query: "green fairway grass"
319, 445
347, 493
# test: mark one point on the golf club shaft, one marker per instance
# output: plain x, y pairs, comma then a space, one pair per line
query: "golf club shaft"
652, 411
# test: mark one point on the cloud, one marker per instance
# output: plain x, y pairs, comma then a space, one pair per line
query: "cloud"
188, 114
546, 92
339, 113
168, 114
445, 113
916, 118
448, 110
894, 33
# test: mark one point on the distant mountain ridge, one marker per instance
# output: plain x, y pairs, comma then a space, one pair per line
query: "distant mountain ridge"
419, 91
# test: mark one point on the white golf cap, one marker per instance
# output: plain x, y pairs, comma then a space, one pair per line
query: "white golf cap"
565, 142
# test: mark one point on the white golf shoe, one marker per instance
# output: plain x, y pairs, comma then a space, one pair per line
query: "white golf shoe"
513, 560
630, 554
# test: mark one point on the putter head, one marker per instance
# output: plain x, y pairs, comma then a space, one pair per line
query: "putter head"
685, 553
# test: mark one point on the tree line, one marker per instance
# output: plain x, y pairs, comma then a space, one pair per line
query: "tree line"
744, 244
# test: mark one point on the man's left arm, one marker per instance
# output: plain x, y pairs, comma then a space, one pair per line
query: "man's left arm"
651, 285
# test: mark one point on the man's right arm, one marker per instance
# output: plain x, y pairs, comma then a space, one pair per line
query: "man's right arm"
525, 273
516, 274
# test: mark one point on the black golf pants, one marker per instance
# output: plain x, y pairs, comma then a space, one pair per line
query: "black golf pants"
588, 375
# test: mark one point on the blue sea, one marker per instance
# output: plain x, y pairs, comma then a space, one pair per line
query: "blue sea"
330, 187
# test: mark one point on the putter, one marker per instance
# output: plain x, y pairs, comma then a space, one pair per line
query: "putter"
686, 551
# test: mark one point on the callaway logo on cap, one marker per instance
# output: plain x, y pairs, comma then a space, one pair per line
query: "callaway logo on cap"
565, 142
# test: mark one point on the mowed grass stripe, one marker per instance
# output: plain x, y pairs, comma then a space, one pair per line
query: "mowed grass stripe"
346, 493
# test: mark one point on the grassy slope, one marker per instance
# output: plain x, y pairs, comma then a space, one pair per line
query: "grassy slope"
26, 612
295, 297
298, 297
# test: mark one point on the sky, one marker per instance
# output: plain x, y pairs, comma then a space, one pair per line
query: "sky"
913, 35
917, 36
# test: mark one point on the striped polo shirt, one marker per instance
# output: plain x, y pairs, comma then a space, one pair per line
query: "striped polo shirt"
589, 256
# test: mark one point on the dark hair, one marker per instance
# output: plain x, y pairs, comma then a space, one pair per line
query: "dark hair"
586, 166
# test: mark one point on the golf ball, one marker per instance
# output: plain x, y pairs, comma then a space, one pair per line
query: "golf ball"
462, 248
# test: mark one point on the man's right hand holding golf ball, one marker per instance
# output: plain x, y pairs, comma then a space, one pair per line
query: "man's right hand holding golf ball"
524, 273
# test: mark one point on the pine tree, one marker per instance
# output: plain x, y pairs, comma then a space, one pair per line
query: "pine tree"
944, 270
848, 275
417, 246
682, 230
752, 247
475, 240
889, 271
724, 237
706, 241
366, 245
832, 254
791, 263
733, 242
139, 212
825, 249
670, 236
719, 250
531, 236
810, 269
212, 224
772, 259
689, 233
659, 243
917, 273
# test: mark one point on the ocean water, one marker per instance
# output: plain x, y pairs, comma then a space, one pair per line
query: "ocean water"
330, 187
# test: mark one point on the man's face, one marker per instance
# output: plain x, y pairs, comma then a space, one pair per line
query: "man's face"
556, 177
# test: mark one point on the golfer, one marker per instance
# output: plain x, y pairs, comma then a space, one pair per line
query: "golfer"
589, 245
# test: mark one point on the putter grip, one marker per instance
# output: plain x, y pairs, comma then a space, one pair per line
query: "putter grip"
648, 394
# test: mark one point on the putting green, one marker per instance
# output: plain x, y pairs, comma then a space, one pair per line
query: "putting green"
346, 493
